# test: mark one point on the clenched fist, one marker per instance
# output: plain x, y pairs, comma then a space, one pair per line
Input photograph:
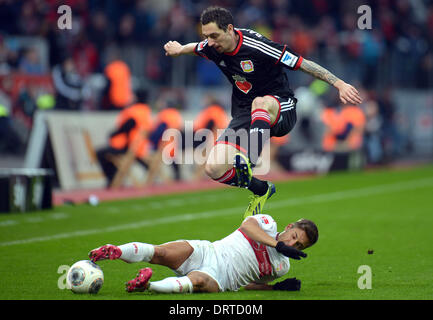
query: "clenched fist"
173, 49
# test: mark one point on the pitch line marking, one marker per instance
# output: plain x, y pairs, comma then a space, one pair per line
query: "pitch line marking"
319, 198
34, 219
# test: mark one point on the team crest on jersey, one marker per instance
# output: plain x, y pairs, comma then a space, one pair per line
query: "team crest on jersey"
247, 66
242, 84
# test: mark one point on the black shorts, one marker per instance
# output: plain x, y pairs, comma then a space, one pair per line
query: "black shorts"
284, 123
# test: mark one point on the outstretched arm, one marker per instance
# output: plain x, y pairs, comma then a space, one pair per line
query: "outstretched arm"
348, 94
175, 49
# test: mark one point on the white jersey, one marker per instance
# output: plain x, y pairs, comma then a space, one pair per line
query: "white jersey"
236, 260
247, 261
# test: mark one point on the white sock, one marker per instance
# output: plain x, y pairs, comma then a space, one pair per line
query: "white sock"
172, 285
136, 252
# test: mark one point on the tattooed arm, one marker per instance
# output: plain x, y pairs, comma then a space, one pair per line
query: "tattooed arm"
348, 94
318, 72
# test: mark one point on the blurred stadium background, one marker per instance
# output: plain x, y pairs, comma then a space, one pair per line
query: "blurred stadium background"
57, 110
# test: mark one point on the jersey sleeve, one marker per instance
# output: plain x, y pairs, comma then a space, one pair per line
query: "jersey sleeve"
277, 53
267, 223
203, 50
290, 60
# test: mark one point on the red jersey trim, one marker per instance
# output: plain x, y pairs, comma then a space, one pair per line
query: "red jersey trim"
282, 52
262, 256
241, 40
298, 64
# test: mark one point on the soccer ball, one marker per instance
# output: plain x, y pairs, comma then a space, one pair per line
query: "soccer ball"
85, 276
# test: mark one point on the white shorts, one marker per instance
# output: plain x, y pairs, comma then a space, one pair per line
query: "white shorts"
203, 259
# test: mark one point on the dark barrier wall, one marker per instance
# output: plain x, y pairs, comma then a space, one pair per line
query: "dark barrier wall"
24, 190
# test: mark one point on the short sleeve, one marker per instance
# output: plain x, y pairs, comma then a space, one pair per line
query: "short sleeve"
290, 60
267, 223
277, 53
203, 50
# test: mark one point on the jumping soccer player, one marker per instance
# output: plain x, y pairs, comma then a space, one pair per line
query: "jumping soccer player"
263, 104
251, 256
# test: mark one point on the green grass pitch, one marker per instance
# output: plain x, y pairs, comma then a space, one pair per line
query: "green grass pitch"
387, 211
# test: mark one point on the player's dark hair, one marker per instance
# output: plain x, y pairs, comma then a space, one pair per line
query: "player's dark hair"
222, 17
310, 229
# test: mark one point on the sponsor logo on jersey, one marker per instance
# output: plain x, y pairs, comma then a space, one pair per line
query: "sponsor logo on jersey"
242, 84
288, 59
265, 220
247, 66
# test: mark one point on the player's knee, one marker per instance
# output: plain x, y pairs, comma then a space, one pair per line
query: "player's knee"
202, 283
199, 282
158, 255
260, 103
213, 170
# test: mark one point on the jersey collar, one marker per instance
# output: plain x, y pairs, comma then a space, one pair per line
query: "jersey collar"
241, 40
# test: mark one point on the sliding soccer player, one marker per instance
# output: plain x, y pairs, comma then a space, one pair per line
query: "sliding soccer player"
251, 256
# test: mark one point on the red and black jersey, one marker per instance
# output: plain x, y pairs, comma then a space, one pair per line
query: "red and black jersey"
255, 68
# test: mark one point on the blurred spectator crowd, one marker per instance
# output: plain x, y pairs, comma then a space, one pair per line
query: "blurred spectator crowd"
395, 53
401, 34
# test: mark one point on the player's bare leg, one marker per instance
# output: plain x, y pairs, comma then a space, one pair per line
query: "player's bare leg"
220, 160
202, 282
227, 165
267, 103
171, 254
264, 112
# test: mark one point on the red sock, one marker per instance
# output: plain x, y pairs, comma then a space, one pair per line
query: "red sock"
230, 178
